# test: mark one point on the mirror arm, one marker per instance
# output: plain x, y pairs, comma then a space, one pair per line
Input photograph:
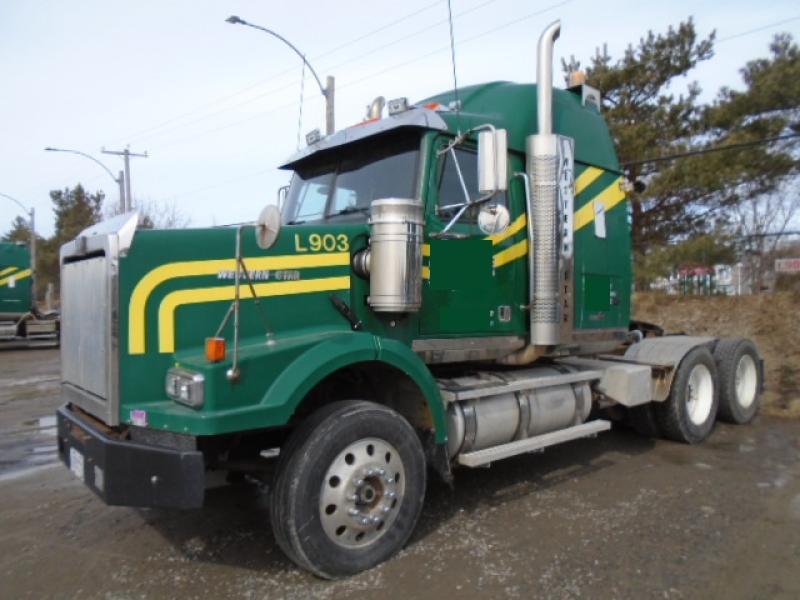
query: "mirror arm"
460, 176
282, 193
464, 207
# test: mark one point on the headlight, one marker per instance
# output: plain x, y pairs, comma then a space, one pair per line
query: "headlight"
185, 387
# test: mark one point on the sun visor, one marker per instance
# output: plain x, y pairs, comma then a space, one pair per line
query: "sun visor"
422, 118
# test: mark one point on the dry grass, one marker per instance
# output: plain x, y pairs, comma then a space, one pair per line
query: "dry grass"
772, 321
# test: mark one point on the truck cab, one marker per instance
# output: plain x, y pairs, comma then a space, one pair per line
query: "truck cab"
442, 287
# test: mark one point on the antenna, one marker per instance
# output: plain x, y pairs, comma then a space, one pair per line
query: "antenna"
453, 59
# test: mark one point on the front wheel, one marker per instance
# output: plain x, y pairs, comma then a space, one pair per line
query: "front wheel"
349, 489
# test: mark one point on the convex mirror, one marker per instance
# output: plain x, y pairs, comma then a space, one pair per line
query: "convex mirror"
493, 218
268, 226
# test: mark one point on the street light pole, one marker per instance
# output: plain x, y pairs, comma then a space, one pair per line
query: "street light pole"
119, 180
327, 91
31, 214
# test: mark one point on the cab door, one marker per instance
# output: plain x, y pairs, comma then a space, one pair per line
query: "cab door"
474, 284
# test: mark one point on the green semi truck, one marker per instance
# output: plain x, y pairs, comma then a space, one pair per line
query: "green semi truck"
21, 322
443, 287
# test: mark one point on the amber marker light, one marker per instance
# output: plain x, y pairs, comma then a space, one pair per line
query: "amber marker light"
215, 349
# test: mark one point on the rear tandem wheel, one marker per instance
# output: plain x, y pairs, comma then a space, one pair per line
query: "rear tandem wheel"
688, 414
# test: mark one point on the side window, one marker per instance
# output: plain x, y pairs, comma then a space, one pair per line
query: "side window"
451, 191
343, 199
314, 196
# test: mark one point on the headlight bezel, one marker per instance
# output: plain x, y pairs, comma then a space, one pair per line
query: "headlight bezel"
185, 387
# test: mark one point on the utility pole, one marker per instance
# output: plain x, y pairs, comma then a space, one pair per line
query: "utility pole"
126, 155
328, 93
121, 182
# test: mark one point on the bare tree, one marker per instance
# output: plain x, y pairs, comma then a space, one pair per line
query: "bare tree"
155, 214
761, 221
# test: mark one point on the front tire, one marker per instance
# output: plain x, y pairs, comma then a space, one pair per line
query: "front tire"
688, 414
739, 380
349, 488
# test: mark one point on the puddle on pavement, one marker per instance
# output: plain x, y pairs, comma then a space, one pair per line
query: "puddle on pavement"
28, 448
48, 422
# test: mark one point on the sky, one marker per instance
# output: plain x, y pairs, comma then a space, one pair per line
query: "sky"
217, 106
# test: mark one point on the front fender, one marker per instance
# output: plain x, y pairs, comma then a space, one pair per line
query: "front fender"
325, 358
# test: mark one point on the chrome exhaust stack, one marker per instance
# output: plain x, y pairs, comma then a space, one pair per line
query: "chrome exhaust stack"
544, 78
542, 167
544, 240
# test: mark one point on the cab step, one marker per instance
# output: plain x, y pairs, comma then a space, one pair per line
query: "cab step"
490, 455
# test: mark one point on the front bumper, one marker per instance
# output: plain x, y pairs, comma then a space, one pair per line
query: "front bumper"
125, 473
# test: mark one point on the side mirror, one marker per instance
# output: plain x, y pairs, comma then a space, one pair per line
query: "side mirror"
492, 161
268, 226
493, 218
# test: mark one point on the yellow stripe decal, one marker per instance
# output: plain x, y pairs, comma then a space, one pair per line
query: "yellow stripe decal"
426, 272
426, 249
148, 283
16, 276
514, 252
7, 271
518, 225
609, 197
170, 303
586, 178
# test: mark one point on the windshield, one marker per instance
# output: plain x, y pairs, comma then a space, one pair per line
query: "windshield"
343, 185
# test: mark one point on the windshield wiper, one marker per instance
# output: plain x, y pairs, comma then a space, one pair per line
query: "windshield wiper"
350, 210
300, 222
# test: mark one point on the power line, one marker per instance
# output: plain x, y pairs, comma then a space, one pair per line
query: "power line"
291, 84
215, 185
736, 146
383, 71
468, 40
261, 82
757, 29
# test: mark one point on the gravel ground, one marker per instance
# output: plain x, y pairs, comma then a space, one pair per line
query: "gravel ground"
616, 517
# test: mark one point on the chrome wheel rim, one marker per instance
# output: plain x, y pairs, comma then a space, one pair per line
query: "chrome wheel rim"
699, 394
746, 381
362, 493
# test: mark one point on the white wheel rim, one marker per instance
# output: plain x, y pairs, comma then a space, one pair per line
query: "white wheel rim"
746, 381
362, 493
699, 394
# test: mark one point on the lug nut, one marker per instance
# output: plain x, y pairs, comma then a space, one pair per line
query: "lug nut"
385, 509
353, 512
365, 521
390, 494
359, 482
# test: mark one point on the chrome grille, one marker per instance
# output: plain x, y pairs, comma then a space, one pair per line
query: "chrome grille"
89, 316
85, 331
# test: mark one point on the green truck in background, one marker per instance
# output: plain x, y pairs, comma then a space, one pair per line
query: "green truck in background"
444, 286
21, 322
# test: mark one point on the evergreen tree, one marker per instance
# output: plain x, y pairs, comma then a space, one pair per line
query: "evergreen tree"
692, 196
75, 210
20, 231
